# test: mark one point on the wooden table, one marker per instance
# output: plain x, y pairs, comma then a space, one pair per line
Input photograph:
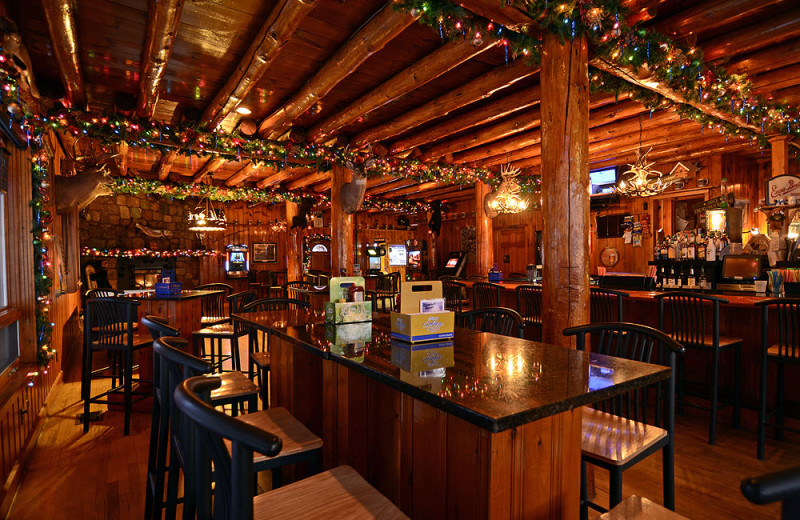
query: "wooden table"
492, 433
315, 297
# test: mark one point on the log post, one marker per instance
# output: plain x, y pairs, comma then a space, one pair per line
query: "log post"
342, 225
294, 254
780, 154
484, 240
565, 187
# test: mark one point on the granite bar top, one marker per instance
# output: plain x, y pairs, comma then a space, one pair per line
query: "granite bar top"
184, 295
496, 382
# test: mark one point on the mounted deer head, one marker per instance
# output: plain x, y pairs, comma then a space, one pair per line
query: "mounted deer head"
90, 180
351, 194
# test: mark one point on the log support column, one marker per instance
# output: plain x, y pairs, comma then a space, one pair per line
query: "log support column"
780, 154
294, 254
565, 187
483, 231
342, 225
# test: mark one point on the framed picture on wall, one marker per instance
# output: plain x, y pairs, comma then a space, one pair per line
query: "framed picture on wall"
265, 253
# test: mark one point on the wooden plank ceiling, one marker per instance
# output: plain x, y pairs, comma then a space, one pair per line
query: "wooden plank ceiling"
359, 72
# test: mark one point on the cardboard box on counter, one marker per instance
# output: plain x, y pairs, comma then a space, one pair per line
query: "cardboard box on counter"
344, 333
411, 325
419, 357
346, 312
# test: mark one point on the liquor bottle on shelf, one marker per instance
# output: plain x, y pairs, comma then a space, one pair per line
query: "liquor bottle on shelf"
711, 249
671, 250
703, 280
701, 249
671, 279
679, 277
691, 281
691, 249
664, 250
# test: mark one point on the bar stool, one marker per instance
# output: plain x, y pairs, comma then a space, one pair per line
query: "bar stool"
529, 305
259, 360
218, 333
454, 295
109, 326
786, 351
336, 493
783, 486
497, 320
174, 367
606, 304
485, 294
689, 318
213, 308
616, 433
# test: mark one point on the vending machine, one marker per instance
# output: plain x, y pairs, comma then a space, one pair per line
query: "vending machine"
237, 262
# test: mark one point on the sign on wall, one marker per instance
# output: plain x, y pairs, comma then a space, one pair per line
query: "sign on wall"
781, 187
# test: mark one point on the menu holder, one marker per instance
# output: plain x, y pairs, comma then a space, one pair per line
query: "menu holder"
168, 289
337, 311
411, 325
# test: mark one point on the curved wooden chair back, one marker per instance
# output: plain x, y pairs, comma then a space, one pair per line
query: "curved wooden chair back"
454, 294
690, 313
275, 304
100, 293
288, 291
159, 327
497, 320
237, 301
233, 472
109, 323
529, 303
787, 326
214, 306
485, 294
606, 305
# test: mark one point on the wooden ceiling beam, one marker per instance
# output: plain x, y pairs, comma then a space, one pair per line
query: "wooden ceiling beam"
122, 150
475, 90
60, 16
249, 169
372, 37
165, 164
486, 134
709, 15
416, 188
276, 31
775, 57
322, 187
377, 181
670, 153
383, 188
310, 178
652, 83
163, 18
212, 165
497, 109
753, 37
456, 190
442, 60
777, 79
282, 176
501, 12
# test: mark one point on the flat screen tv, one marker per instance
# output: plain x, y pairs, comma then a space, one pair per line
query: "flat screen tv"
397, 254
452, 263
603, 181
741, 267
374, 263
415, 259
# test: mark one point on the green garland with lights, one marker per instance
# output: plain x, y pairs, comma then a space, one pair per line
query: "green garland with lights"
147, 253
307, 250
181, 191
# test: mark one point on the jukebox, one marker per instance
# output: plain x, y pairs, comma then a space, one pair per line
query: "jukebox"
237, 264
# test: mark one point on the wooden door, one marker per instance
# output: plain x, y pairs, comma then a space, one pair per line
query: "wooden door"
512, 252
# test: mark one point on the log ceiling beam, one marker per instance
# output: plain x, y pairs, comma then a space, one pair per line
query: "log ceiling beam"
651, 83
282, 176
163, 17
487, 134
675, 152
777, 79
122, 150
709, 15
460, 191
501, 12
276, 31
500, 108
383, 188
377, 181
309, 178
212, 165
442, 60
776, 57
753, 37
475, 90
60, 15
322, 187
387, 24
249, 169
165, 164
417, 188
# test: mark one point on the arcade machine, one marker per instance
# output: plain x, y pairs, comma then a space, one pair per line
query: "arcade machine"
398, 258
236, 261
455, 263
375, 255
414, 268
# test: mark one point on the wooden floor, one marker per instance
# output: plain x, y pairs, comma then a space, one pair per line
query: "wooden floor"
101, 475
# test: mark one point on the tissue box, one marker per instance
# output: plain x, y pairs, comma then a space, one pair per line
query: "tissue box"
346, 312
346, 333
419, 357
168, 289
411, 325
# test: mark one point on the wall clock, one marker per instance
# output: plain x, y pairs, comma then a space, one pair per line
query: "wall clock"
609, 256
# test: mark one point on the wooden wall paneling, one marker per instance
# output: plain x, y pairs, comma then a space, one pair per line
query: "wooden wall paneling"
467, 469
385, 439
330, 413
429, 464
358, 422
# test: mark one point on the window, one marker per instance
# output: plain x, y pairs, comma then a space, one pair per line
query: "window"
9, 334
3, 267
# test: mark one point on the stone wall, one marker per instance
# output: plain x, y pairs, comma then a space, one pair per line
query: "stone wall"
110, 223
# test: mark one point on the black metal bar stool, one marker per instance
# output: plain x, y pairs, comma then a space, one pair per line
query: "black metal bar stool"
785, 351
485, 294
529, 306
606, 305
690, 316
215, 335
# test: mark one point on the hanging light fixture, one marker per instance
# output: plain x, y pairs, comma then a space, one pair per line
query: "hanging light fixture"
205, 218
508, 197
641, 180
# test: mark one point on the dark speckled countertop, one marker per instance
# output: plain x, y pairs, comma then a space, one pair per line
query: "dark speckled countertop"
495, 382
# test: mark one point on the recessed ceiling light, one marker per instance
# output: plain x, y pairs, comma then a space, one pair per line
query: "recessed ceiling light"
244, 111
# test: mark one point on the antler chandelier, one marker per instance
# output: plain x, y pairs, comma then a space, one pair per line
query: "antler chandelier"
278, 226
641, 180
205, 218
507, 198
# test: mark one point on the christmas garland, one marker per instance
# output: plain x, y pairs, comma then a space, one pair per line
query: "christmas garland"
147, 253
181, 191
307, 250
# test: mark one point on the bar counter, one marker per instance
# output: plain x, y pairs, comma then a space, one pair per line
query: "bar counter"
491, 429
183, 310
